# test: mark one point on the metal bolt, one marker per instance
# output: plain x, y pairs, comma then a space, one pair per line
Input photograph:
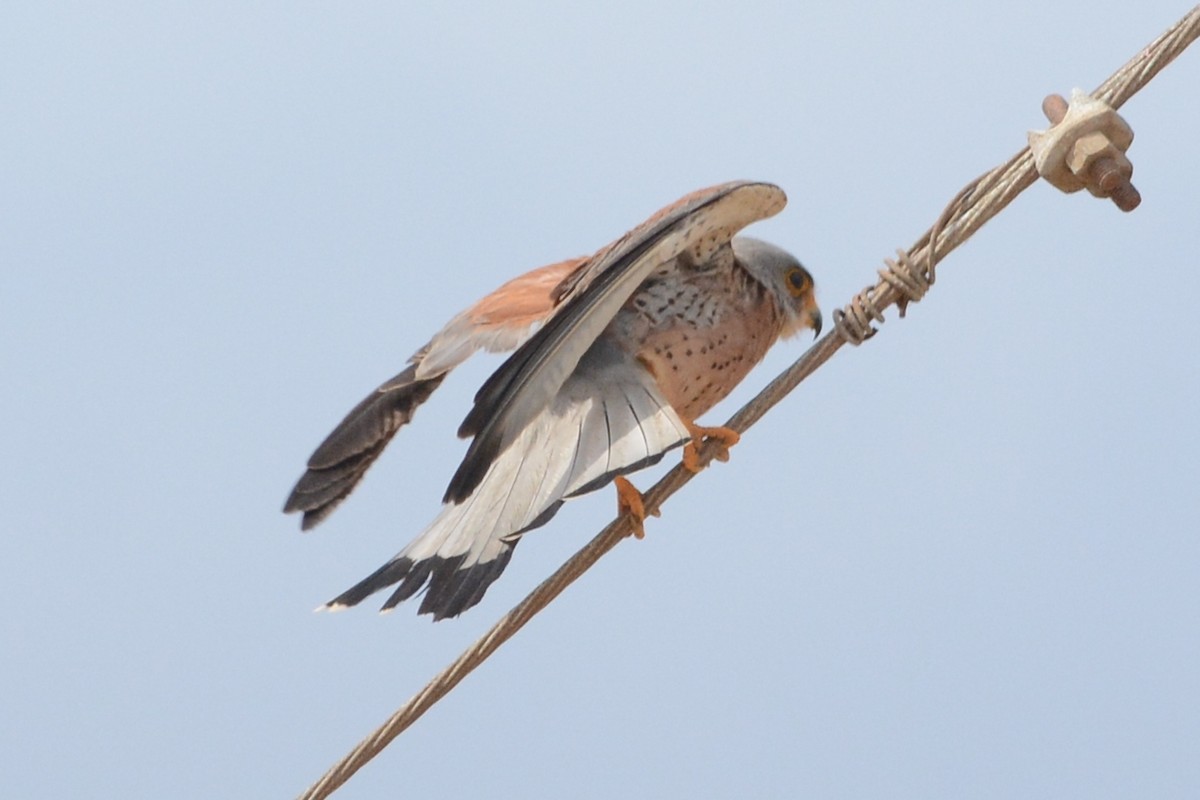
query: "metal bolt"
1104, 174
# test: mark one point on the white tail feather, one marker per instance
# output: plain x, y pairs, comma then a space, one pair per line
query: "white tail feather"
608, 418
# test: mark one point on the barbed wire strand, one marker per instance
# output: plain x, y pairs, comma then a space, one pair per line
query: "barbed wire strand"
900, 283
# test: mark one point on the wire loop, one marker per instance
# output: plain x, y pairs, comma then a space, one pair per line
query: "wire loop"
900, 283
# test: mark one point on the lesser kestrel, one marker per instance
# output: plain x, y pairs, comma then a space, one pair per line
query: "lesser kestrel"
616, 355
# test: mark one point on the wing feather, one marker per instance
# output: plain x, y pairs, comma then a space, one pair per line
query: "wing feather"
697, 227
339, 463
608, 420
500, 321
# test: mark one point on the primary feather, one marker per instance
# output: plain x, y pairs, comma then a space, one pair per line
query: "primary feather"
616, 355
609, 419
698, 228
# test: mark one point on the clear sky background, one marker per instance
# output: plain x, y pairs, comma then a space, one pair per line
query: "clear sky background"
962, 560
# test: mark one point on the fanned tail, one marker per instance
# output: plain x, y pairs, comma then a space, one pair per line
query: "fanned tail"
609, 420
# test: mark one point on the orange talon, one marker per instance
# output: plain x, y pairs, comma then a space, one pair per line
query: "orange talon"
629, 501
727, 437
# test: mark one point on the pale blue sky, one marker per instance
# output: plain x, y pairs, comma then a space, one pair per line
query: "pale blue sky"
961, 561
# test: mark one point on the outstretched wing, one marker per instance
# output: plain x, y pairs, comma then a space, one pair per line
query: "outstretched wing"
608, 419
696, 229
336, 467
500, 321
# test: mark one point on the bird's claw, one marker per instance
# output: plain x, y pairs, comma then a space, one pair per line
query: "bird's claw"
631, 502
725, 437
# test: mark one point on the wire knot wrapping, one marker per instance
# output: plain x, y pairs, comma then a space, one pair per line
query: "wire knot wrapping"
853, 322
900, 283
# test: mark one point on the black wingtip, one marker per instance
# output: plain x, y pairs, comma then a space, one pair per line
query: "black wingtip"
341, 460
391, 572
450, 588
475, 464
453, 590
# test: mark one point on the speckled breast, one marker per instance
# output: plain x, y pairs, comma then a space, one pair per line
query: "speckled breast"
701, 336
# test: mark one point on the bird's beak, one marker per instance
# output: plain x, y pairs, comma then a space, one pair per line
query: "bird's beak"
814, 319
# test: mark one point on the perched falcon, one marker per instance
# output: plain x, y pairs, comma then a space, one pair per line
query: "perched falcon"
616, 355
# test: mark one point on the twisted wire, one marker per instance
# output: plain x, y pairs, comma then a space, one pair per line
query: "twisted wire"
901, 282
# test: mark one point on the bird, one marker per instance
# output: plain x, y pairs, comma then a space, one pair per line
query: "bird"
614, 356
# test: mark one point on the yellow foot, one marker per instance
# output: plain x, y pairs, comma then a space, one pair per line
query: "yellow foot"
727, 437
629, 501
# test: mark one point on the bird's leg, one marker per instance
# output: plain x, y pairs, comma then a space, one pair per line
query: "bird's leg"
727, 437
629, 501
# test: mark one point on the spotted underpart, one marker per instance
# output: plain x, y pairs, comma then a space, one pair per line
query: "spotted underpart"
700, 334
616, 355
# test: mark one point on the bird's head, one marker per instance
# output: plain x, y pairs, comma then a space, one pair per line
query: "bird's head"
786, 278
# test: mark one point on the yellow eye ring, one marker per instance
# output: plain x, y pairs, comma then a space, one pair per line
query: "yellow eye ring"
798, 282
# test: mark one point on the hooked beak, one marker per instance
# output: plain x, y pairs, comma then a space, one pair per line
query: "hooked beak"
814, 320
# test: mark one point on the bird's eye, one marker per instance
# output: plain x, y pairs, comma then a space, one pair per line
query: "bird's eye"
798, 281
